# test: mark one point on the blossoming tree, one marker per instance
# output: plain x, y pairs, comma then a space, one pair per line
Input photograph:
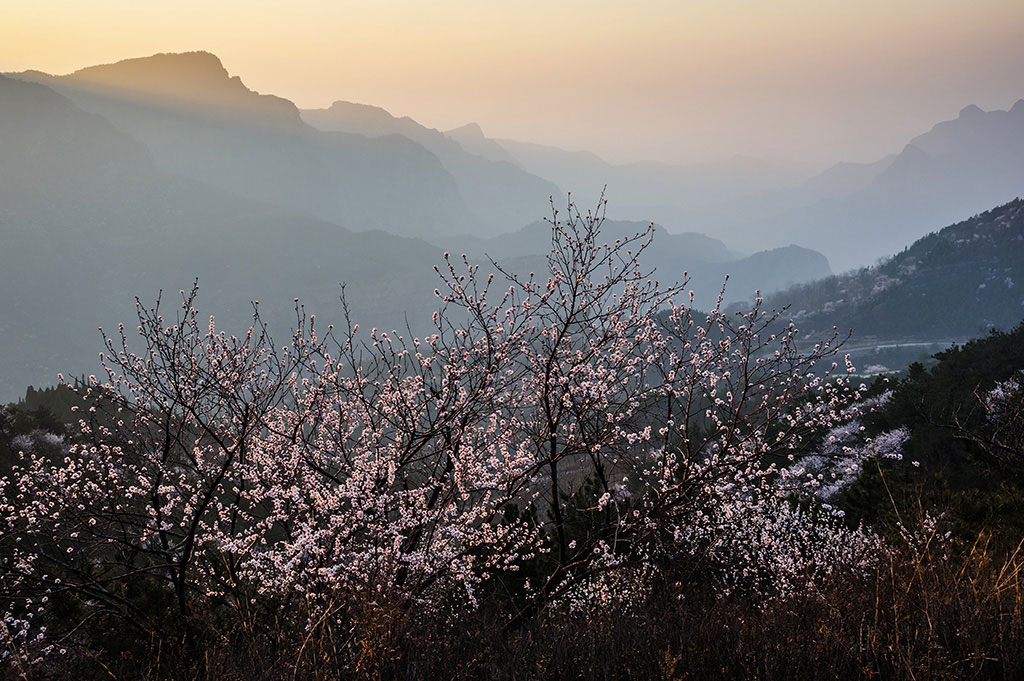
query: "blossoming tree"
229, 474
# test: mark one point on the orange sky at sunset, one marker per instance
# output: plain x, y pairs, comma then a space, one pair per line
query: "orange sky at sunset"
674, 81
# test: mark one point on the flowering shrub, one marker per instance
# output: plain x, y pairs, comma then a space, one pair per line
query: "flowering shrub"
582, 422
839, 460
1004, 411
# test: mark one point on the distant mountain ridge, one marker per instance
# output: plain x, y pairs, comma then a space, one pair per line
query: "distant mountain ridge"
88, 221
502, 196
257, 146
675, 195
472, 138
705, 261
91, 216
122, 179
844, 178
957, 169
535, 239
364, 119
190, 79
854, 213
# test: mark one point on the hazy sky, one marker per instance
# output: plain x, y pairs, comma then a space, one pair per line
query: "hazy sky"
679, 80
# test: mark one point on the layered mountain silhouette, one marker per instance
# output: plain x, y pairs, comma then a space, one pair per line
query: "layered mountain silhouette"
671, 194
199, 122
89, 220
501, 195
130, 178
959, 168
472, 138
535, 239
191, 81
854, 213
701, 260
126, 179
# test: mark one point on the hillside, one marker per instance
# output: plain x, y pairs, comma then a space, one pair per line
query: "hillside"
951, 285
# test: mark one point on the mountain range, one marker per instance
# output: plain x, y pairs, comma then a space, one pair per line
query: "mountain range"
854, 213
126, 179
199, 122
704, 262
958, 169
89, 220
359, 166
501, 195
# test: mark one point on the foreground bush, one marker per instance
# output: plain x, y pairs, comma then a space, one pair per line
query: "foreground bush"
576, 455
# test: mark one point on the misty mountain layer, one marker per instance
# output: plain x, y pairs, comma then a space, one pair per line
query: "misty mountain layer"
702, 261
857, 213
501, 195
200, 123
126, 179
89, 221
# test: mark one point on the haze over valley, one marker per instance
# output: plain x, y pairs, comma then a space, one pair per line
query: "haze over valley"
143, 175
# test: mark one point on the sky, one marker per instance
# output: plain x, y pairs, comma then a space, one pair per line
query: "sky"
679, 81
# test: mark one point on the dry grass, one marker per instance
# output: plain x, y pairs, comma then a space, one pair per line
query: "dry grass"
919, 616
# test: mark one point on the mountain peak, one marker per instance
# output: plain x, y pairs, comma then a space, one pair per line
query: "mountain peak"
366, 112
345, 105
195, 80
472, 138
161, 72
1018, 108
970, 110
467, 131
